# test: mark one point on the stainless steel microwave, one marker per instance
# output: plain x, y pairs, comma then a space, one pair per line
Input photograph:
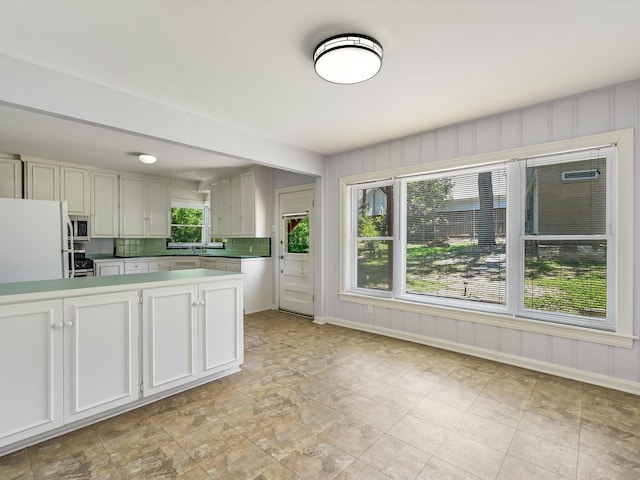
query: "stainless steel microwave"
80, 228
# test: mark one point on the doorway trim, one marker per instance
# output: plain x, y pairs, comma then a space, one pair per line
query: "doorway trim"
311, 187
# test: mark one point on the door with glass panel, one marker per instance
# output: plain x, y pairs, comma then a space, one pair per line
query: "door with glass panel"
296, 262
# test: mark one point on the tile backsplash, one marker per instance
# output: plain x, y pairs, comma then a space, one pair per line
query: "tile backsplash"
137, 247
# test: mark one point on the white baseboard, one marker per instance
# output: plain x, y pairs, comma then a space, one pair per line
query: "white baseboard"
518, 361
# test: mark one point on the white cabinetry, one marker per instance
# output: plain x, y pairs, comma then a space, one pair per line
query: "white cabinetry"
145, 208
185, 263
190, 332
69, 359
10, 178
245, 198
103, 268
105, 219
136, 266
159, 265
100, 353
49, 181
74, 188
220, 196
257, 280
31, 374
43, 181
169, 337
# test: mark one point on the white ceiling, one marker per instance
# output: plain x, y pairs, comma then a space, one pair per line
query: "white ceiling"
248, 65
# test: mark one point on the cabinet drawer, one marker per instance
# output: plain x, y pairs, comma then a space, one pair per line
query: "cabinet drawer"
159, 265
136, 267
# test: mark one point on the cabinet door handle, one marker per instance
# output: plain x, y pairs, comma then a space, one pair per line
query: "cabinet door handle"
195, 304
57, 325
201, 302
68, 324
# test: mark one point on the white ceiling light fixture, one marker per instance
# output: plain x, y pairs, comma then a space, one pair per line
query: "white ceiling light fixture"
146, 158
348, 58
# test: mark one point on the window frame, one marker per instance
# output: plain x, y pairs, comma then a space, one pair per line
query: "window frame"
622, 304
206, 224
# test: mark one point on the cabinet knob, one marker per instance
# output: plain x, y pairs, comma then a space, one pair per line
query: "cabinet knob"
57, 325
68, 324
195, 304
201, 302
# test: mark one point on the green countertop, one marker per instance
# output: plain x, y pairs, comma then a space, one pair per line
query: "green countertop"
75, 284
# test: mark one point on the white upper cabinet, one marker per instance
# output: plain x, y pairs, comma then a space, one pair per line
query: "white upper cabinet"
49, 181
220, 207
105, 220
145, 208
43, 181
10, 178
74, 188
246, 200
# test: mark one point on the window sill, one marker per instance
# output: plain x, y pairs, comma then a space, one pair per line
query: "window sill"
503, 321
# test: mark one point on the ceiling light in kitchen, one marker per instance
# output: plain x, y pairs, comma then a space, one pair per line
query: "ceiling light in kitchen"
146, 158
348, 58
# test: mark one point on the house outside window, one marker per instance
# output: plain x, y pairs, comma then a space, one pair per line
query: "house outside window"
530, 238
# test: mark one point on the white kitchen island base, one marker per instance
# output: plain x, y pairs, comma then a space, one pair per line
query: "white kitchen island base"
77, 351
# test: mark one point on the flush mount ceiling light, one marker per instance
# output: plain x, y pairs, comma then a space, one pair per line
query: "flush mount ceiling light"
348, 58
146, 158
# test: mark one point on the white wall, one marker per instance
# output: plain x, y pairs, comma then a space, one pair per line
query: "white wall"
603, 110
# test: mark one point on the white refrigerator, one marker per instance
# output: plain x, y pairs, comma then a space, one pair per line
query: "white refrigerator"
35, 240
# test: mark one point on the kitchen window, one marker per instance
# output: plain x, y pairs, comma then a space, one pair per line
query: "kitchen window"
512, 238
190, 225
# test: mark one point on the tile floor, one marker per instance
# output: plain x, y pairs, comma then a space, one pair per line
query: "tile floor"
321, 402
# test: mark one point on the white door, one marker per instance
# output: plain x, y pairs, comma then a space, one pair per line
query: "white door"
101, 353
296, 252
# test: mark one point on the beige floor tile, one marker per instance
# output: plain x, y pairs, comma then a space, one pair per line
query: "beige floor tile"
324, 402
471, 456
414, 383
591, 468
16, 466
395, 458
436, 412
281, 438
549, 455
243, 460
314, 416
378, 415
318, 460
351, 435
184, 421
453, 396
437, 469
551, 429
514, 468
485, 431
166, 461
502, 413
209, 440
361, 471
419, 433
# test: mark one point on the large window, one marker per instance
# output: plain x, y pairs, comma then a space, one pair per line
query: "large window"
531, 238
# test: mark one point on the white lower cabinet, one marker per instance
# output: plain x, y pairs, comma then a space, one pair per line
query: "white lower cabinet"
103, 268
169, 337
190, 332
100, 353
70, 359
31, 355
75, 359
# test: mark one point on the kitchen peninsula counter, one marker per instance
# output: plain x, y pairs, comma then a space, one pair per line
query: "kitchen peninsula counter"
45, 289
76, 351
